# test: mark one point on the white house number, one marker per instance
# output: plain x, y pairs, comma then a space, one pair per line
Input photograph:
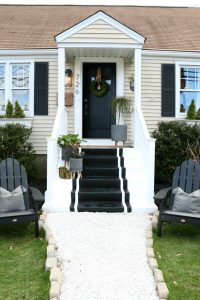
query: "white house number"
77, 84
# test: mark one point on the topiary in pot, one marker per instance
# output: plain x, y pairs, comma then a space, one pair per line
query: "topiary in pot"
9, 110
191, 113
18, 111
120, 106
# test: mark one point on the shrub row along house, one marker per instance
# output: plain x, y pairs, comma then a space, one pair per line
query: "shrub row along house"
50, 55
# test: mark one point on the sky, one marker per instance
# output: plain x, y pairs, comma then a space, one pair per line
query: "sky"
109, 2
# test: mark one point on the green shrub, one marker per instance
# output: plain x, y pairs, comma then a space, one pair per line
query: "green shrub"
191, 113
9, 110
18, 111
172, 139
14, 143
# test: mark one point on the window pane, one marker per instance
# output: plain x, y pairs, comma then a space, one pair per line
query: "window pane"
2, 100
22, 96
20, 76
2, 76
186, 98
190, 84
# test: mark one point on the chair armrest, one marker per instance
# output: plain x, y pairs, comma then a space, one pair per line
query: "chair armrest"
36, 194
162, 194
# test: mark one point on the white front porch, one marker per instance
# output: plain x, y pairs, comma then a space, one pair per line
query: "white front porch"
139, 160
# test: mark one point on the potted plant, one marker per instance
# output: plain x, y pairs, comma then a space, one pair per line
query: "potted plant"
76, 159
120, 106
64, 172
66, 141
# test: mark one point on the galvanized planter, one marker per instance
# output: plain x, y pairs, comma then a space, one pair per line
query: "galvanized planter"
66, 152
119, 133
76, 164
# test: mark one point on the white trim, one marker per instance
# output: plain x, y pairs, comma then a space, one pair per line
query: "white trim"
78, 92
61, 77
16, 52
99, 45
170, 53
178, 64
100, 16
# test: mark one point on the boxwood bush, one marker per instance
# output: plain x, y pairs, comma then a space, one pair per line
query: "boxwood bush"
14, 143
172, 139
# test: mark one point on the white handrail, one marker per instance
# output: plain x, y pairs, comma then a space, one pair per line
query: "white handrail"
146, 145
60, 127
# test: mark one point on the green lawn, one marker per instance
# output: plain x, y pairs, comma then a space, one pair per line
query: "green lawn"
22, 261
178, 256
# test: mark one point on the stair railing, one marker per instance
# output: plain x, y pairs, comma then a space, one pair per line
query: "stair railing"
146, 146
59, 128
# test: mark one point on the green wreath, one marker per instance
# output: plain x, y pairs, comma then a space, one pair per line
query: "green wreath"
99, 89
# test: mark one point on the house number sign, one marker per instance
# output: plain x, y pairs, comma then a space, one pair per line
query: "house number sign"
77, 84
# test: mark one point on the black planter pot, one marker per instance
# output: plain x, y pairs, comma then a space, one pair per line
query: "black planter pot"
66, 152
119, 133
76, 164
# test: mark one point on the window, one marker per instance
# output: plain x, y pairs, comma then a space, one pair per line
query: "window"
189, 87
20, 85
15, 85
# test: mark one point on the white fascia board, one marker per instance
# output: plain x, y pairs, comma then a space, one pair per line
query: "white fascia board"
18, 52
104, 17
99, 45
169, 53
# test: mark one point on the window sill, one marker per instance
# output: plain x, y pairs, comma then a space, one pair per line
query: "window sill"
23, 121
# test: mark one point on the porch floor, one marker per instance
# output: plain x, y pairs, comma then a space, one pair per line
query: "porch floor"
103, 256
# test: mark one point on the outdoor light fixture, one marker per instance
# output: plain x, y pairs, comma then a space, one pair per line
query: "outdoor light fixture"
68, 78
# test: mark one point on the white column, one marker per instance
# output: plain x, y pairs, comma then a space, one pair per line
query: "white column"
137, 90
61, 77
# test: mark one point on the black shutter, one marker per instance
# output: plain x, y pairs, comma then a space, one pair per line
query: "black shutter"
168, 90
41, 88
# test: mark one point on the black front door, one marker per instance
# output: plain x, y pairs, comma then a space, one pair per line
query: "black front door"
97, 111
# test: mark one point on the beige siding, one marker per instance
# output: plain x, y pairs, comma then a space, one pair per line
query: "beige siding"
99, 32
128, 70
151, 91
42, 125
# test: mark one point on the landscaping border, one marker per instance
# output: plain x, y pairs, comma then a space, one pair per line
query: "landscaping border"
52, 264
161, 286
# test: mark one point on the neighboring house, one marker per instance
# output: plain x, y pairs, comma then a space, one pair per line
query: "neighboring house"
39, 45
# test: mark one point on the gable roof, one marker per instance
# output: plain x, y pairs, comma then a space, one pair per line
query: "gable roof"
34, 27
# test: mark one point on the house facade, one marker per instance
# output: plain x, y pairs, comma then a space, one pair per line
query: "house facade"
42, 48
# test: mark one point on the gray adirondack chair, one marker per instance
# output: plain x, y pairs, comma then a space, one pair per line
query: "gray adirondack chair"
187, 177
13, 175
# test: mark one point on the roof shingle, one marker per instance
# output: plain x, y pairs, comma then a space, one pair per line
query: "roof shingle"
33, 27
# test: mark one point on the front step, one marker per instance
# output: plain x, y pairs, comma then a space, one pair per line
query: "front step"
100, 185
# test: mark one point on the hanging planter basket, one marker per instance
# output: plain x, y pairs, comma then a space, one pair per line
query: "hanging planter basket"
64, 173
99, 88
66, 152
76, 165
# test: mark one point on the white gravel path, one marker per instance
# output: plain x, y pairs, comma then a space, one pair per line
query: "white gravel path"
103, 256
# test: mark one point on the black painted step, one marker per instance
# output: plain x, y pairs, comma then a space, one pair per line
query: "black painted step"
102, 161
100, 194
99, 151
98, 172
96, 206
99, 183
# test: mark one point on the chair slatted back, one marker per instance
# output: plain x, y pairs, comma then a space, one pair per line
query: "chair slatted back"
13, 174
187, 177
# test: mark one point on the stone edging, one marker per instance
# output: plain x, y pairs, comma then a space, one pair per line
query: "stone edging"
161, 286
52, 264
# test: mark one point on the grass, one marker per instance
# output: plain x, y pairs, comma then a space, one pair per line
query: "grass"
22, 261
178, 256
